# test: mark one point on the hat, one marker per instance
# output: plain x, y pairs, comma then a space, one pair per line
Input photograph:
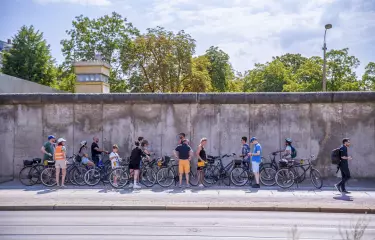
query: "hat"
115, 146
61, 140
253, 139
51, 137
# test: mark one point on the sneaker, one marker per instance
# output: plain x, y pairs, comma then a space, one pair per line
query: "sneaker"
187, 186
136, 186
201, 185
179, 186
338, 187
131, 185
344, 191
63, 186
257, 186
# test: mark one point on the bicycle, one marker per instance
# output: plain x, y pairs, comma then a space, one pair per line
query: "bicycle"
76, 172
30, 173
268, 171
48, 175
293, 173
168, 173
100, 173
215, 170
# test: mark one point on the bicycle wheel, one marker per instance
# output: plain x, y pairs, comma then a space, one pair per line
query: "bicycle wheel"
239, 176
211, 174
25, 176
70, 173
267, 176
316, 178
148, 177
299, 174
165, 177
193, 178
284, 178
48, 177
118, 178
79, 175
92, 177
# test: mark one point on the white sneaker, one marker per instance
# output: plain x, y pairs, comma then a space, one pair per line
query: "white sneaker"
201, 185
131, 185
136, 186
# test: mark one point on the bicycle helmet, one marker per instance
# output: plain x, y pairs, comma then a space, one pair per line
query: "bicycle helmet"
83, 143
51, 137
61, 140
288, 140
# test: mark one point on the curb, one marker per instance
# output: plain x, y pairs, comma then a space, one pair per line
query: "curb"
189, 208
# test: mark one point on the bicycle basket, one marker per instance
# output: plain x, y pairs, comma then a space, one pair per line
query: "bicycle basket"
28, 162
166, 161
211, 160
37, 160
237, 162
51, 162
283, 164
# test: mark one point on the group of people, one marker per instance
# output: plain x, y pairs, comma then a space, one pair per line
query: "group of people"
56, 151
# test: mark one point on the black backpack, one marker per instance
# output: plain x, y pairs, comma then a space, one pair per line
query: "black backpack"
335, 156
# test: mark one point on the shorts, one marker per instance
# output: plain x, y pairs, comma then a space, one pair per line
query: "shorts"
115, 164
183, 166
134, 165
60, 164
255, 166
85, 160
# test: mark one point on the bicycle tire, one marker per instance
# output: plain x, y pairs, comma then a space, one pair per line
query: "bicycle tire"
300, 171
71, 177
165, 177
284, 178
267, 176
79, 175
193, 179
92, 177
121, 180
239, 177
25, 176
210, 175
48, 177
35, 173
148, 177
316, 178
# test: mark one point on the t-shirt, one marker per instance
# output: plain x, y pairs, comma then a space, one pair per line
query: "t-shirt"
93, 151
113, 154
245, 152
183, 151
48, 146
343, 152
136, 155
288, 148
257, 148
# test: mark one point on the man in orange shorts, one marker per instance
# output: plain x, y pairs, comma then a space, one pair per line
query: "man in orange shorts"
184, 153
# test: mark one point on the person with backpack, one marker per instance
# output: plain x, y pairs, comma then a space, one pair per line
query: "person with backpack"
343, 164
289, 153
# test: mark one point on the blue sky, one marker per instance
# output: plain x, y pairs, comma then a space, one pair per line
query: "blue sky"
250, 31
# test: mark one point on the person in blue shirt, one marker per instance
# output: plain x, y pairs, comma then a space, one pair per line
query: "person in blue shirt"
256, 157
245, 150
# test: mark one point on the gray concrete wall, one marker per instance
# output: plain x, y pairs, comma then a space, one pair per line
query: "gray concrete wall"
9, 84
316, 122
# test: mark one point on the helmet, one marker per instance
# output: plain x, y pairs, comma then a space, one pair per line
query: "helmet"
61, 140
253, 139
288, 140
83, 143
51, 137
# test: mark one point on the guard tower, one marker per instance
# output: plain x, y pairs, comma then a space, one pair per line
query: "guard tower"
92, 76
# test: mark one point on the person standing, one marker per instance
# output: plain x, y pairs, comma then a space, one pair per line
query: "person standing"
202, 158
48, 149
256, 157
135, 162
182, 137
60, 161
184, 153
245, 150
96, 151
344, 166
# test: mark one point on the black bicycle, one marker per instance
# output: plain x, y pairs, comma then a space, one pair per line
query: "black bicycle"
30, 173
93, 176
295, 172
215, 171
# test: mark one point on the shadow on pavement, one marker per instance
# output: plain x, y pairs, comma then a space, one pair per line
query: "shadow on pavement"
344, 197
46, 191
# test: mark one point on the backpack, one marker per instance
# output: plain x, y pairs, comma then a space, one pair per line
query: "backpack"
335, 156
294, 152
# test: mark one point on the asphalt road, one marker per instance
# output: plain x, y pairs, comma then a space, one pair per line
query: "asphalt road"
166, 225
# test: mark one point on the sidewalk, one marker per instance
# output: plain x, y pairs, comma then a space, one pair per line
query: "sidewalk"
14, 196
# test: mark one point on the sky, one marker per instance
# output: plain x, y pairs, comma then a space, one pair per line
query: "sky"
250, 31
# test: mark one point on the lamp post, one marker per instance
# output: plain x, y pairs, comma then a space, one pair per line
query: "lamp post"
327, 26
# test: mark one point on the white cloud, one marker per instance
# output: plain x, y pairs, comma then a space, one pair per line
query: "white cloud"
80, 2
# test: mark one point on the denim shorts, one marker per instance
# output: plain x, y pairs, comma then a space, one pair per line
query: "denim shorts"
255, 166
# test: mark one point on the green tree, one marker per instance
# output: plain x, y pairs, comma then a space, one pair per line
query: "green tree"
291, 61
199, 80
368, 78
220, 70
341, 74
105, 36
30, 57
159, 60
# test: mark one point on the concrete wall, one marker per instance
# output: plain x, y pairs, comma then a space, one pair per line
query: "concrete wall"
9, 84
316, 122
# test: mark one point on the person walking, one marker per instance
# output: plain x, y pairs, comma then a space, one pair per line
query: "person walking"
344, 166
48, 149
202, 158
60, 161
256, 157
184, 153
96, 151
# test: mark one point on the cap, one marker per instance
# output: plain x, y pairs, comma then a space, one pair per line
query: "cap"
51, 137
61, 140
253, 139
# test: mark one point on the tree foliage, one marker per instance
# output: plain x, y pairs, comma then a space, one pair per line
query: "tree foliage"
30, 57
220, 69
368, 79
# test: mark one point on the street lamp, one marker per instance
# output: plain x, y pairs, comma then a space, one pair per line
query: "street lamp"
327, 26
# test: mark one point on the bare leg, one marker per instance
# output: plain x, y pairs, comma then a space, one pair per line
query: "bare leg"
180, 177
136, 176
187, 178
63, 176
57, 176
257, 177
